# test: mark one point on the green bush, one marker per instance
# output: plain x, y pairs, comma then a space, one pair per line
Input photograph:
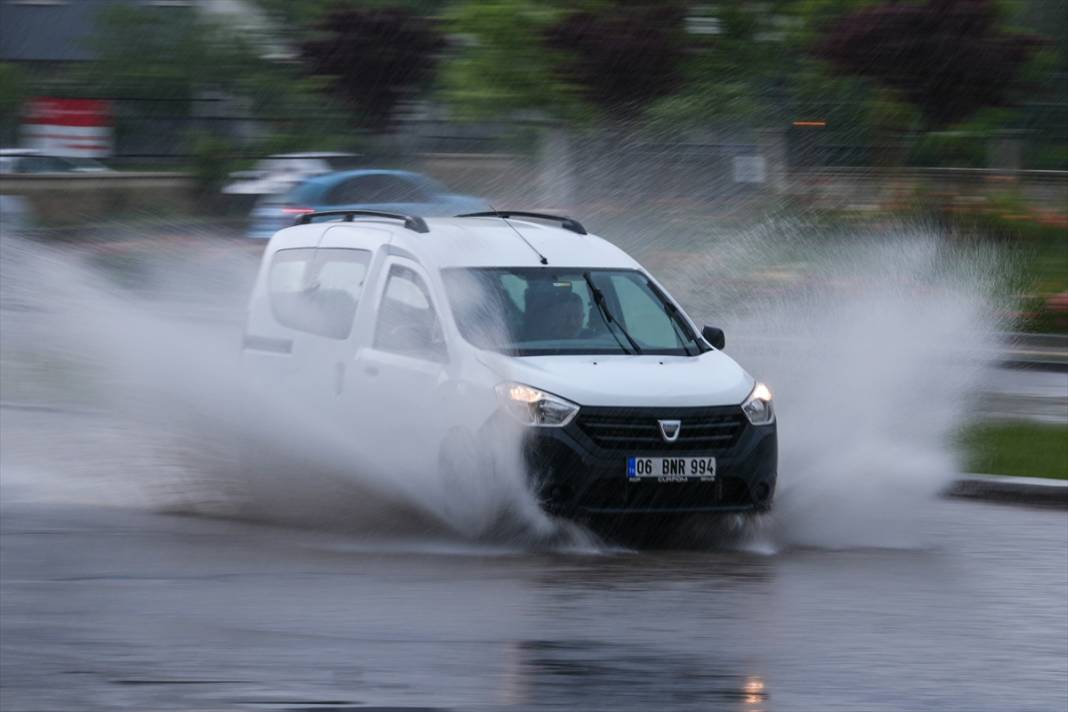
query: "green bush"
1035, 243
212, 160
12, 94
949, 148
1041, 156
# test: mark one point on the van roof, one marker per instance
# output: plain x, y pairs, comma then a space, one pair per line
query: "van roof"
472, 242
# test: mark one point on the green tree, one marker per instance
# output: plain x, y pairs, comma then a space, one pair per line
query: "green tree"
300, 15
374, 58
621, 56
499, 64
949, 58
13, 91
155, 62
165, 54
739, 64
677, 63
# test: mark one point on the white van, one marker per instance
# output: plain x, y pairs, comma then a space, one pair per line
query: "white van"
445, 333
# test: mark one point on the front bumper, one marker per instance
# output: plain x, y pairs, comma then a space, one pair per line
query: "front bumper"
576, 471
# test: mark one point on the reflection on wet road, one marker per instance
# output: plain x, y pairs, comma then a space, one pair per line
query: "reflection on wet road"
120, 609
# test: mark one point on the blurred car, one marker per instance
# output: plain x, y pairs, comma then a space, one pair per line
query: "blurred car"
29, 160
282, 171
367, 189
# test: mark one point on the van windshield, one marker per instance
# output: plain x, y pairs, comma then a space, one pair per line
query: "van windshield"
536, 311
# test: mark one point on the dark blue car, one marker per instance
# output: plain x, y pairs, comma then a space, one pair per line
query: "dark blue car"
366, 189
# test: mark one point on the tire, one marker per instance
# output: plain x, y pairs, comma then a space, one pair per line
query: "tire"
481, 500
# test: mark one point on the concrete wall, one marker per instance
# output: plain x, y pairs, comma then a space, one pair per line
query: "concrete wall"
888, 189
73, 198
515, 181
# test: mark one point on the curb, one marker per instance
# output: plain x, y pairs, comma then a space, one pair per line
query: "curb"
1020, 490
1043, 352
1035, 361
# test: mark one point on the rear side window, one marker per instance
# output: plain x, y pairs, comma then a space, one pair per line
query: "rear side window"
317, 291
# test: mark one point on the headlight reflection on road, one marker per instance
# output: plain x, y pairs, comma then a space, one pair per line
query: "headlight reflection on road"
754, 690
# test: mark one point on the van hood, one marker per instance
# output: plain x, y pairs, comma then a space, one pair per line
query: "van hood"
711, 379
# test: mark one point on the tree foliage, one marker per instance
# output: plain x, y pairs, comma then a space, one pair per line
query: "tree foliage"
739, 58
156, 62
12, 94
374, 57
299, 14
861, 65
573, 61
498, 64
947, 57
622, 56
165, 54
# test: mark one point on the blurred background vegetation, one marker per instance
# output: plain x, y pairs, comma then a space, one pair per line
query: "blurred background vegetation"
607, 87
936, 79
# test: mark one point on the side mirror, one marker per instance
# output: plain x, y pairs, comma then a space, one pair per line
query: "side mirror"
714, 336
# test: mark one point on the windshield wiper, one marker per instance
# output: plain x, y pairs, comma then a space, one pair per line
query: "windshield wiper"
674, 318
602, 307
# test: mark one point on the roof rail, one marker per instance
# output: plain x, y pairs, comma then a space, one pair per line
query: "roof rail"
412, 222
565, 222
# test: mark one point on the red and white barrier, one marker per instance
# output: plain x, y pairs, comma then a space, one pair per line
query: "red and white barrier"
68, 127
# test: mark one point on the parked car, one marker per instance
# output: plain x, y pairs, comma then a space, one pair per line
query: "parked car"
432, 339
280, 172
367, 189
28, 160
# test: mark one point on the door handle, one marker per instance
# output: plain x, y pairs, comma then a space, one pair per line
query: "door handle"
371, 370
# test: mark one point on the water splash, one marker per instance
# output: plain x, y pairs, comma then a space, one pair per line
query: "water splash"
871, 341
164, 370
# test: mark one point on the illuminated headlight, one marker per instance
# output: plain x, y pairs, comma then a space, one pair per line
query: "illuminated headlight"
536, 408
757, 407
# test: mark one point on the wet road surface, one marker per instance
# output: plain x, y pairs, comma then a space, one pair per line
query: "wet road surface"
120, 608
106, 604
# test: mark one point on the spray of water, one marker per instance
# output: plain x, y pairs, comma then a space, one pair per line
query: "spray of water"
215, 437
873, 344
869, 342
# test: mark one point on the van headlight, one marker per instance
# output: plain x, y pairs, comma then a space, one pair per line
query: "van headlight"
534, 407
757, 407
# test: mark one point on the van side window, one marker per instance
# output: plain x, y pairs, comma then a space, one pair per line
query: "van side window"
317, 291
407, 322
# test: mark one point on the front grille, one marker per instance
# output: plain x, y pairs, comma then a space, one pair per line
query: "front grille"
636, 429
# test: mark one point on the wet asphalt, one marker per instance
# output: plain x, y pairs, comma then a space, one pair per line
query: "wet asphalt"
107, 603
108, 607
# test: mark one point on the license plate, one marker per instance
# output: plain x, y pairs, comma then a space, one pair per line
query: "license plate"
671, 469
